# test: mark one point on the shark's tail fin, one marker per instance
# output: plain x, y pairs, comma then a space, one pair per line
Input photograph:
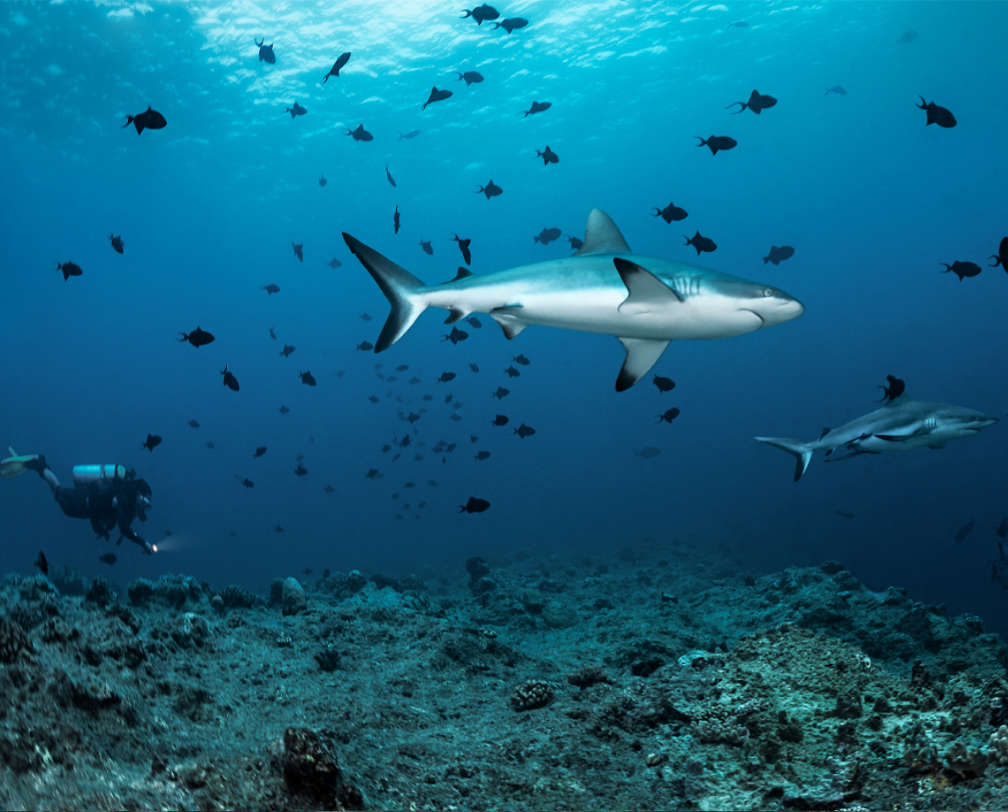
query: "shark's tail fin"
401, 288
802, 452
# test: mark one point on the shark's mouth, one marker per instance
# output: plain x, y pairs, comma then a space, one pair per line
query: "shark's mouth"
762, 321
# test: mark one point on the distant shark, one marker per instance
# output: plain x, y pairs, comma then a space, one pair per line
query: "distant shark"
603, 288
900, 425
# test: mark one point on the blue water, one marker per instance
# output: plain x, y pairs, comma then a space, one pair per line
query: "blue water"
872, 200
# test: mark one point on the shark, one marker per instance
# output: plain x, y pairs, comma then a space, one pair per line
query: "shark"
901, 424
646, 302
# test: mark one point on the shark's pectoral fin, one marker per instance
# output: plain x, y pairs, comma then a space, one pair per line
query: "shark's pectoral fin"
508, 317
641, 354
645, 291
462, 274
899, 436
602, 236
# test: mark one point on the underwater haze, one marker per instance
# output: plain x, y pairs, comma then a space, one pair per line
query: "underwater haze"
873, 200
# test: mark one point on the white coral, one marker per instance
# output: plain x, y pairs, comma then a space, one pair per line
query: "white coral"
999, 745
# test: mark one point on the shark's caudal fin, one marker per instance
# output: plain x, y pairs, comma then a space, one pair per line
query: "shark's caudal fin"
401, 288
802, 452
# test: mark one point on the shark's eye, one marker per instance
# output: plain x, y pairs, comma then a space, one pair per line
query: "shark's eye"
768, 292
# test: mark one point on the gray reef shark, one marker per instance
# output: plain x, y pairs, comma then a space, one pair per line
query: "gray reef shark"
900, 425
604, 288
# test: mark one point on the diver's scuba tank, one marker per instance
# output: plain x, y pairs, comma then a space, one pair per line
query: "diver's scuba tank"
87, 474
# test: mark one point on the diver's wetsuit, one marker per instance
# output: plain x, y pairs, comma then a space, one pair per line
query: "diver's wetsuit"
106, 503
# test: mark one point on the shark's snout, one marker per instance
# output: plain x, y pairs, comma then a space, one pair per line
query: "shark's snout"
776, 307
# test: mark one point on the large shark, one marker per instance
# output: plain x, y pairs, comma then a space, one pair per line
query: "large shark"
604, 288
900, 425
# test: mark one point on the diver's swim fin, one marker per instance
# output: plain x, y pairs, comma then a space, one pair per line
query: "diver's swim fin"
15, 464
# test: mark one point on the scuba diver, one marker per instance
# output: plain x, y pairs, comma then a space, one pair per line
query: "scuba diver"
108, 495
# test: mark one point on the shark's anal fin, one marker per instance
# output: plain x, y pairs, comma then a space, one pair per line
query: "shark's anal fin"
602, 236
645, 291
508, 318
641, 354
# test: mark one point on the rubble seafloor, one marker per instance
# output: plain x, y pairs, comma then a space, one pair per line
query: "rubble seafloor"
534, 681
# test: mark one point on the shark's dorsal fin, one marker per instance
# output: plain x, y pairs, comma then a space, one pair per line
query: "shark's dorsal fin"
645, 291
641, 354
602, 236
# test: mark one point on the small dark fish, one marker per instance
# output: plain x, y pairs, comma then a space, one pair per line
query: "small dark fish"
537, 107
739, 24
575, 243
147, 120
307, 378
524, 431
108, 558
365, 316
456, 335
360, 134
284, 410
266, 52
287, 350
670, 212
757, 103
717, 142
298, 248
248, 483
271, 288
364, 346
210, 444
648, 452
395, 221
464, 248
512, 372
259, 452
490, 190
401, 367
322, 180
547, 235
444, 377
482, 455
471, 77
474, 367
335, 69
669, 415
198, 337
71, 269
548, 156
278, 528
664, 384
373, 399
907, 36
334, 263
329, 489
1002, 530
388, 175
521, 359
300, 470
840, 90
963, 532
473, 438
511, 24
500, 393
481, 13
941, 116
194, 424
778, 253
230, 381
42, 563
427, 247
962, 269
272, 333
436, 96
117, 243
152, 442
296, 110
701, 243
895, 388
474, 505
373, 473
409, 136
1001, 257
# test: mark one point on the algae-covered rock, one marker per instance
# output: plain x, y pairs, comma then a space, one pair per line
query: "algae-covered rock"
292, 597
310, 770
